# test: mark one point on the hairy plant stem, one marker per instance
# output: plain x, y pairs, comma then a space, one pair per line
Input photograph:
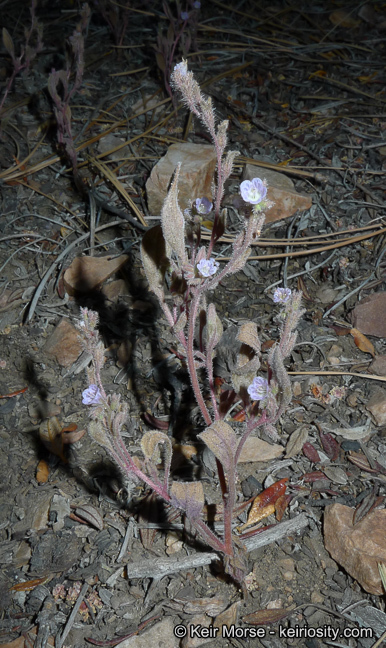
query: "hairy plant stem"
190, 355
251, 425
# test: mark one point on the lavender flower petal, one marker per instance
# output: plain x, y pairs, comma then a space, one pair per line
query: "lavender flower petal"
258, 389
253, 191
91, 395
208, 267
281, 295
203, 205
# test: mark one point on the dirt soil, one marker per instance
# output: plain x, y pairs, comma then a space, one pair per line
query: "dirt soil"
303, 89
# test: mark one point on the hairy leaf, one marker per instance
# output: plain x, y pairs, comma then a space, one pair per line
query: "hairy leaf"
222, 441
180, 323
172, 219
154, 259
245, 371
214, 327
151, 443
248, 335
188, 496
240, 261
275, 360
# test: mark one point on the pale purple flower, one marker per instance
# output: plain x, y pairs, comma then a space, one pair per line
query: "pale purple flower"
184, 15
203, 205
258, 389
197, 4
181, 68
253, 191
281, 295
91, 395
208, 267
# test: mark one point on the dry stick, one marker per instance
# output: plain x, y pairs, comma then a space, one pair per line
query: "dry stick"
317, 239
354, 239
60, 639
61, 256
104, 169
158, 567
337, 373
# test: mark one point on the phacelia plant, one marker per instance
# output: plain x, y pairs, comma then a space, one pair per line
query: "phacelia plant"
173, 250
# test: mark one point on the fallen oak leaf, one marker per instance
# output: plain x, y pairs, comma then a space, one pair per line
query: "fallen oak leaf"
266, 617
87, 514
362, 342
281, 505
28, 586
264, 504
50, 434
42, 472
359, 460
71, 435
330, 446
310, 477
256, 515
368, 504
310, 452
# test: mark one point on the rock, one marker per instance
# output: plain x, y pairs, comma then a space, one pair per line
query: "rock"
64, 344
378, 366
334, 354
326, 295
369, 315
196, 175
88, 273
281, 190
377, 406
109, 143
357, 548
159, 636
206, 627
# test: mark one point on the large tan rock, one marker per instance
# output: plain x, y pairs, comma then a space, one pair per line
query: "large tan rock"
198, 164
369, 315
357, 548
377, 406
378, 366
281, 190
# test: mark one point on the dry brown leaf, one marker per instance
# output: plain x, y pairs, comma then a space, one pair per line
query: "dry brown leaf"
28, 586
255, 449
265, 617
342, 18
256, 515
296, 441
362, 342
42, 472
228, 617
16, 643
